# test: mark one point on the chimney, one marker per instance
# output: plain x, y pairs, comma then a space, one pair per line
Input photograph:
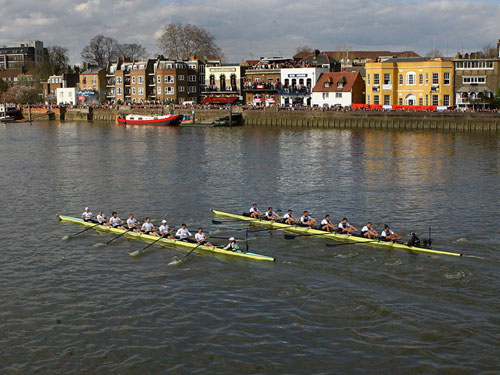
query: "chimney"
316, 52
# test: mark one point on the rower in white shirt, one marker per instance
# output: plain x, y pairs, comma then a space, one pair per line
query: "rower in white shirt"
183, 234
255, 212
132, 223
87, 215
148, 227
289, 219
368, 231
201, 238
388, 235
115, 221
345, 228
271, 215
327, 225
306, 220
101, 219
165, 230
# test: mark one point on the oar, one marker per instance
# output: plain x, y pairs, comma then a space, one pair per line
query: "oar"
237, 239
139, 252
292, 236
121, 234
76, 234
177, 261
348, 243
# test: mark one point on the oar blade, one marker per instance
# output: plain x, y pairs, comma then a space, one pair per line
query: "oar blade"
217, 222
289, 236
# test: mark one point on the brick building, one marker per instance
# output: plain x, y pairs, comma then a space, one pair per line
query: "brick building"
92, 85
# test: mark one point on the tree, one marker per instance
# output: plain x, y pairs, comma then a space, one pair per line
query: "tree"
3, 86
489, 51
58, 59
179, 41
101, 50
304, 49
434, 53
133, 51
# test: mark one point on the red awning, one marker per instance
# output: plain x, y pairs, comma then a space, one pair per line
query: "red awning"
219, 100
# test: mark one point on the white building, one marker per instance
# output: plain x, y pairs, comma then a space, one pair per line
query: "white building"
297, 84
66, 95
339, 89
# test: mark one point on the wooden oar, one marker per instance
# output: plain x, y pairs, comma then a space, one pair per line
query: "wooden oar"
348, 243
185, 256
139, 252
121, 234
76, 234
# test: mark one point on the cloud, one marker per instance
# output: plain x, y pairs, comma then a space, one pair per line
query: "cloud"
261, 27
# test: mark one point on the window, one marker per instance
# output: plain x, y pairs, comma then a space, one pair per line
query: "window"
192, 78
410, 78
420, 101
367, 99
119, 91
159, 90
400, 79
169, 90
133, 90
182, 89
368, 79
140, 80
133, 80
158, 79
427, 100
446, 80
327, 84
84, 80
338, 95
400, 101
421, 79
325, 95
387, 79
435, 78
387, 100
426, 79
180, 77
192, 88
376, 79
435, 99
94, 80
141, 91
376, 99
340, 85
169, 79
473, 80
446, 100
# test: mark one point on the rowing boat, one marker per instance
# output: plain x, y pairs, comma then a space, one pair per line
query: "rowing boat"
333, 236
168, 242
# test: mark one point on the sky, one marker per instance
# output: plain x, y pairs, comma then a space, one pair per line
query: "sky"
254, 28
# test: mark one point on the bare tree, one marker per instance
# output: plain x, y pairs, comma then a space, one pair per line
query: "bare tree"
179, 41
101, 50
133, 51
58, 58
304, 49
490, 50
434, 53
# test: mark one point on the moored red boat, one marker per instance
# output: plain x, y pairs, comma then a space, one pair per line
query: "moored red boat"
163, 120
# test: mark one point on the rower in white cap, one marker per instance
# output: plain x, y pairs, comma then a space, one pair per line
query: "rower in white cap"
232, 245
87, 215
165, 230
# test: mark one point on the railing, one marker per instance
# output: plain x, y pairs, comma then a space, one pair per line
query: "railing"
294, 91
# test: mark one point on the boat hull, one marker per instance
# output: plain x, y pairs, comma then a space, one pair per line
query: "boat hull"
170, 121
170, 242
333, 236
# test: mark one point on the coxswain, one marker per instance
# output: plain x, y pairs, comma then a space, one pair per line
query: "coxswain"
183, 234
132, 223
271, 215
345, 228
201, 238
101, 219
232, 245
289, 219
87, 215
368, 231
255, 212
148, 228
327, 225
165, 230
388, 235
115, 221
306, 220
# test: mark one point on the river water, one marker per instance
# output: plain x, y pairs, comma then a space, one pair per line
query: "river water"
68, 307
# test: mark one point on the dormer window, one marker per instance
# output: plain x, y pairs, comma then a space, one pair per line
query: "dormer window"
340, 85
327, 84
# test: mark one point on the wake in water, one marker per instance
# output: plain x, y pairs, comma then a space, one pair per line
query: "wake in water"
461, 240
174, 262
99, 244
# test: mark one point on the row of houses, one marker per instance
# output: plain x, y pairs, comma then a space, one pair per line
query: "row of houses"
337, 78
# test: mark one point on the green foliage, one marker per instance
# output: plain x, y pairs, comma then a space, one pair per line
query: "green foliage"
3, 85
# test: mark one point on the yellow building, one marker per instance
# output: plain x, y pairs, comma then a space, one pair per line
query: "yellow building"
410, 81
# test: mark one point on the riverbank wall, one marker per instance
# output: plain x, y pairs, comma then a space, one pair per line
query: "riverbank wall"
273, 118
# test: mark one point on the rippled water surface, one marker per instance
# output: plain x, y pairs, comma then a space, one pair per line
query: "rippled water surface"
68, 307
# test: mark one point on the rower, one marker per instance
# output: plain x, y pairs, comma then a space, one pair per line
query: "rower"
388, 235
289, 219
327, 225
368, 231
232, 245
165, 230
132, 223
271, 215
87, 215
101, 219
201, 238
183, 234
306, 220
345, 228
255, 212
148, 228
115, 221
